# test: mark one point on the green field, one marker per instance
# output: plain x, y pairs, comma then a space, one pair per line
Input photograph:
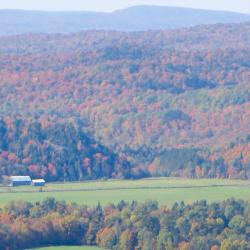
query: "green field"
69, 248
164, 190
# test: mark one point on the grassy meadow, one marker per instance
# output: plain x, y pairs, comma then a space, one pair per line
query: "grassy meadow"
163, 190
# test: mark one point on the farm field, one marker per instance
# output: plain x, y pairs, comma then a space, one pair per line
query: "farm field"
163, 190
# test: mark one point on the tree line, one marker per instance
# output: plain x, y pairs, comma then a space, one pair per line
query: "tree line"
127, 226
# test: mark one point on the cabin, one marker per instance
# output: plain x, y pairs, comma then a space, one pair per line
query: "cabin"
19, 181
38, 183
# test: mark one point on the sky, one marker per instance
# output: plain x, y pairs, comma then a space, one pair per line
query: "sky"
110, 5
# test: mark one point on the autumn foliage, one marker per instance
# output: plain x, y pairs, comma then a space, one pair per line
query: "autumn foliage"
126, 226
143, 95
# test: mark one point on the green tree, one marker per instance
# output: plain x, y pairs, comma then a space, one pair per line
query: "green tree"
164, 240
238, 224
183, 226
127, 241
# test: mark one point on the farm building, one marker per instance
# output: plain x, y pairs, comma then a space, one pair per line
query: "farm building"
19, 180
38, 183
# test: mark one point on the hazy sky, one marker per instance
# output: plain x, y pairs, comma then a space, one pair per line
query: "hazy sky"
109, 5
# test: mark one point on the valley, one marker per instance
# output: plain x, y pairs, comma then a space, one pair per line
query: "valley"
137, 121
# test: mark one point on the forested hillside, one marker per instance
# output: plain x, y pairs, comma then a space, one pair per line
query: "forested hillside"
56, 152
172, 103
130, 19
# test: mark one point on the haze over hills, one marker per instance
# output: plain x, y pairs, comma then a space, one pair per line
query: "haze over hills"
130, 19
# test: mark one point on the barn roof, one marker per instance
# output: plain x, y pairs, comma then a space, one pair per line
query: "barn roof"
38, 181
20, 178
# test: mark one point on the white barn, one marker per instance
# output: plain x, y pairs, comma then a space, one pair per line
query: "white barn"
20, 180
38, 182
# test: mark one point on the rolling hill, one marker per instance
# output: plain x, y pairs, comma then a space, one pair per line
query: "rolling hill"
130, 19
167, 103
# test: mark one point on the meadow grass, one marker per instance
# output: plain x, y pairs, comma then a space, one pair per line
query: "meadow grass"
164, 190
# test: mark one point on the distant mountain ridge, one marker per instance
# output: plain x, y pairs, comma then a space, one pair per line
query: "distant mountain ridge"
130, 19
